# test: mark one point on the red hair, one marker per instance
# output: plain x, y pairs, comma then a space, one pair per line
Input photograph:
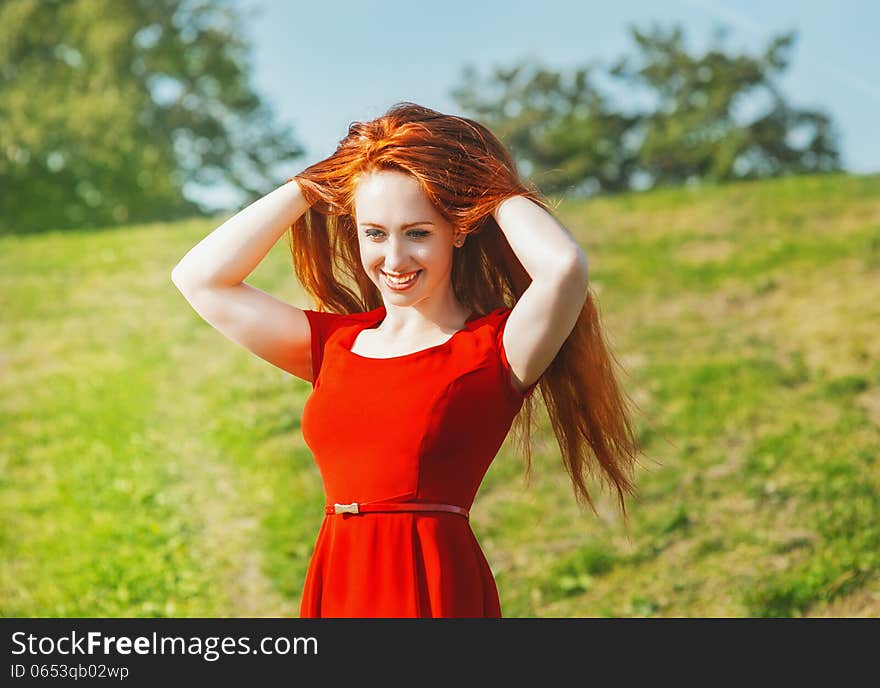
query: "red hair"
466, 172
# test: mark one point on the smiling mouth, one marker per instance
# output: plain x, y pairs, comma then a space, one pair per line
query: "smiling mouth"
399, 281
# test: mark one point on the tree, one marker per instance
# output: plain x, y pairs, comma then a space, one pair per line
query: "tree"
567, 137
562, 135
693, 133
108, 109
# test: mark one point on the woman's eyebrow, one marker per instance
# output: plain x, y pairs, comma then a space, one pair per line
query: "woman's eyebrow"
408, 224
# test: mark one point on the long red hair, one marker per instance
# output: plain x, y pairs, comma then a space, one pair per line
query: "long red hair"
466, 172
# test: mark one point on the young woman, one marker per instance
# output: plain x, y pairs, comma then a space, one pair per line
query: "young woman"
446, 291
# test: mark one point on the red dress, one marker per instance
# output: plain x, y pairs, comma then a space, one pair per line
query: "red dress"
456, 406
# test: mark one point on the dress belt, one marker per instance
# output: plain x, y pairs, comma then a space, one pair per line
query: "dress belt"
355, 508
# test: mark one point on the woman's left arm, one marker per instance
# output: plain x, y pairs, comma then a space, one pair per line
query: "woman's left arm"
548, 309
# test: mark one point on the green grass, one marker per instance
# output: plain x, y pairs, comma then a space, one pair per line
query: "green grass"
151, 467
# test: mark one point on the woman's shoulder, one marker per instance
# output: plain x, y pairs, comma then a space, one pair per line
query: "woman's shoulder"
484, 330
330, 315
492, 320
324, 323
492, 326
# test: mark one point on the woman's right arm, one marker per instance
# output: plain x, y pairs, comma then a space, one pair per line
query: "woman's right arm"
211, 278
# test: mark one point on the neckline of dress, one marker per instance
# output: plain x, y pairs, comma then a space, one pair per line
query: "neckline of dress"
373, 322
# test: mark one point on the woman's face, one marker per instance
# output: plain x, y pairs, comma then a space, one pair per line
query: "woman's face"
401, 233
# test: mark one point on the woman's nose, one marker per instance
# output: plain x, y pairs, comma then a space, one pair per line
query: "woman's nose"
396, 255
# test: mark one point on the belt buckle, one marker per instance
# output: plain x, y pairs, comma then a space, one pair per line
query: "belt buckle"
346, 508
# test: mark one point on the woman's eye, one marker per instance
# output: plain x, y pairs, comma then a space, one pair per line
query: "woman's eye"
418, 233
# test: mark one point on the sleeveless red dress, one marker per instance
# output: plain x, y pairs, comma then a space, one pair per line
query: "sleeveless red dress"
456, 406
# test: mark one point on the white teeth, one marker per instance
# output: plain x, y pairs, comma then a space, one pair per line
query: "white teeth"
398, 280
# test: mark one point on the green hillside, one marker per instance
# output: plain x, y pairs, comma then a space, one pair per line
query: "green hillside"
151, 467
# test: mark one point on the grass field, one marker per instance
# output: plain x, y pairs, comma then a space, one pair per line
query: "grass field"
151, 467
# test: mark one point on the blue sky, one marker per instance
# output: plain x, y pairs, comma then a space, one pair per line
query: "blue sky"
322, 65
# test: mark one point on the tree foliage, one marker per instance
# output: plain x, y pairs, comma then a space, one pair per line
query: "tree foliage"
569, 139
563, 132
108, 109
